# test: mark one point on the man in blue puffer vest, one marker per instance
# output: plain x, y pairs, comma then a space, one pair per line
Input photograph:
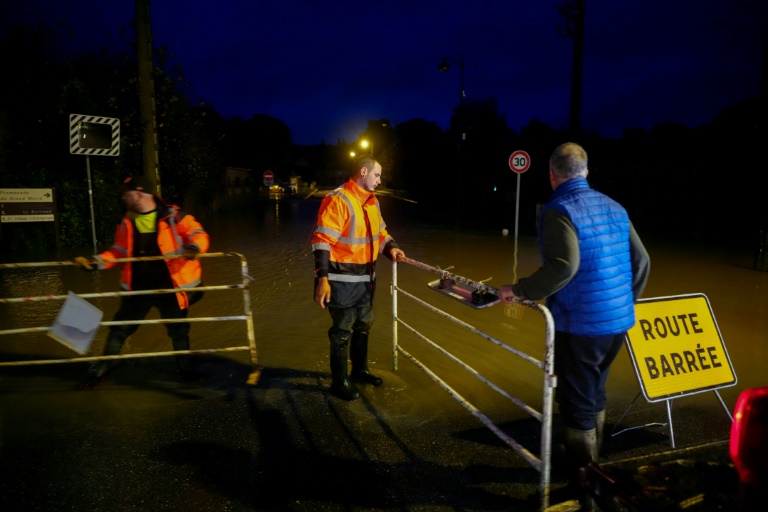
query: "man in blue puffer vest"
594, 268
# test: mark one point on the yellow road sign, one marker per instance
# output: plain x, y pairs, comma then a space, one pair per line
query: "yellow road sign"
677, 349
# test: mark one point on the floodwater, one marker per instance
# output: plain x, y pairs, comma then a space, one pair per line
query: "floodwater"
43, 403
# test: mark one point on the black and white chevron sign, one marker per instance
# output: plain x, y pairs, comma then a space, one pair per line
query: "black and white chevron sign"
94, 135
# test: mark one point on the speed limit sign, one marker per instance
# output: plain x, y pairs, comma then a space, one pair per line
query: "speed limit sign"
519, 162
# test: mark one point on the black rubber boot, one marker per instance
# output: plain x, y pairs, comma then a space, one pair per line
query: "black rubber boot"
599, 429
95, 377
100, 370
185, 365
580, 450
340, 385
358, 352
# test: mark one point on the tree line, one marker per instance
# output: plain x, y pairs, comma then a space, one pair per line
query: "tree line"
701, 183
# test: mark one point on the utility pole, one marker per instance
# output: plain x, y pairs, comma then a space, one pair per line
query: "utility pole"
762, 96
147, 93
573, 11
461, 116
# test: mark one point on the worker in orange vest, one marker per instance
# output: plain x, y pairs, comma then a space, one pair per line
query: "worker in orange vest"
151, 227
348, 237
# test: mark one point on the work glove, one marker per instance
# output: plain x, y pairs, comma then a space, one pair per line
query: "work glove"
191, 252
85, 264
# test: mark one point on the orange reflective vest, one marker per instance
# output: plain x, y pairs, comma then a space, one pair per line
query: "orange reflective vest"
175, 229
350, 227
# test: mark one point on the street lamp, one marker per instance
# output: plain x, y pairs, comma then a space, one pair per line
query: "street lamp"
366, 144
445, 66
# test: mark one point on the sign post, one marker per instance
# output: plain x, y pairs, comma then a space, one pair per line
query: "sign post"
93, 135
519, 162
269, 178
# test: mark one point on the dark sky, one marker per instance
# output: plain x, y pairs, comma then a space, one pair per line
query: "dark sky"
327, 67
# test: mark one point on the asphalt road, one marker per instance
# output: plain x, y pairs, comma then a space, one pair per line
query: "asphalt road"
145, 440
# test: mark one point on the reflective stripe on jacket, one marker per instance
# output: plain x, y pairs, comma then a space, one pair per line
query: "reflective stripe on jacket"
175, 230
350, 226
598, 301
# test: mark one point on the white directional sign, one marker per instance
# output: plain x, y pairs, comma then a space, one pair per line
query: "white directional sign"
26, 205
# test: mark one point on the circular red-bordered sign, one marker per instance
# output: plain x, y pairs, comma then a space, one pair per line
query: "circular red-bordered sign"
519, 161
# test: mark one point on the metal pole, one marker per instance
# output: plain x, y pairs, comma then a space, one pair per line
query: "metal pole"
725, 407
90, 199
578, 56
394, 316
461, 66
517, 216
460, 185
444, 66
671, 428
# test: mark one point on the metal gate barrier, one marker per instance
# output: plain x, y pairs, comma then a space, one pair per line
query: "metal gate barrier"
540, 463
246, 316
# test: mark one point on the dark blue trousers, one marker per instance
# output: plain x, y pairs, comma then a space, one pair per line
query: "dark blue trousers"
582, 364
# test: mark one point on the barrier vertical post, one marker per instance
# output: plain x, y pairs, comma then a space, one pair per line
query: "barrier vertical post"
393, 291
253, 377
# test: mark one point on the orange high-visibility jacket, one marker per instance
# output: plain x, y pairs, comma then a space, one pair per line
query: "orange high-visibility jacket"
175, 229
352, 231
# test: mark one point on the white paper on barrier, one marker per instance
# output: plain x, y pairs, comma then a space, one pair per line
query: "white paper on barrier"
76, 324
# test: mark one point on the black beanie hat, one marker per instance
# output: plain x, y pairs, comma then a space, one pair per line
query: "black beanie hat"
139, 183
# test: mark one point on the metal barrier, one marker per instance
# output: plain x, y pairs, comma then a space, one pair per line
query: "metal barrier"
541, 463
246, 316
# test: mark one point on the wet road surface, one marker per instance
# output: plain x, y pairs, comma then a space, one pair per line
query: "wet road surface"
146, 440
